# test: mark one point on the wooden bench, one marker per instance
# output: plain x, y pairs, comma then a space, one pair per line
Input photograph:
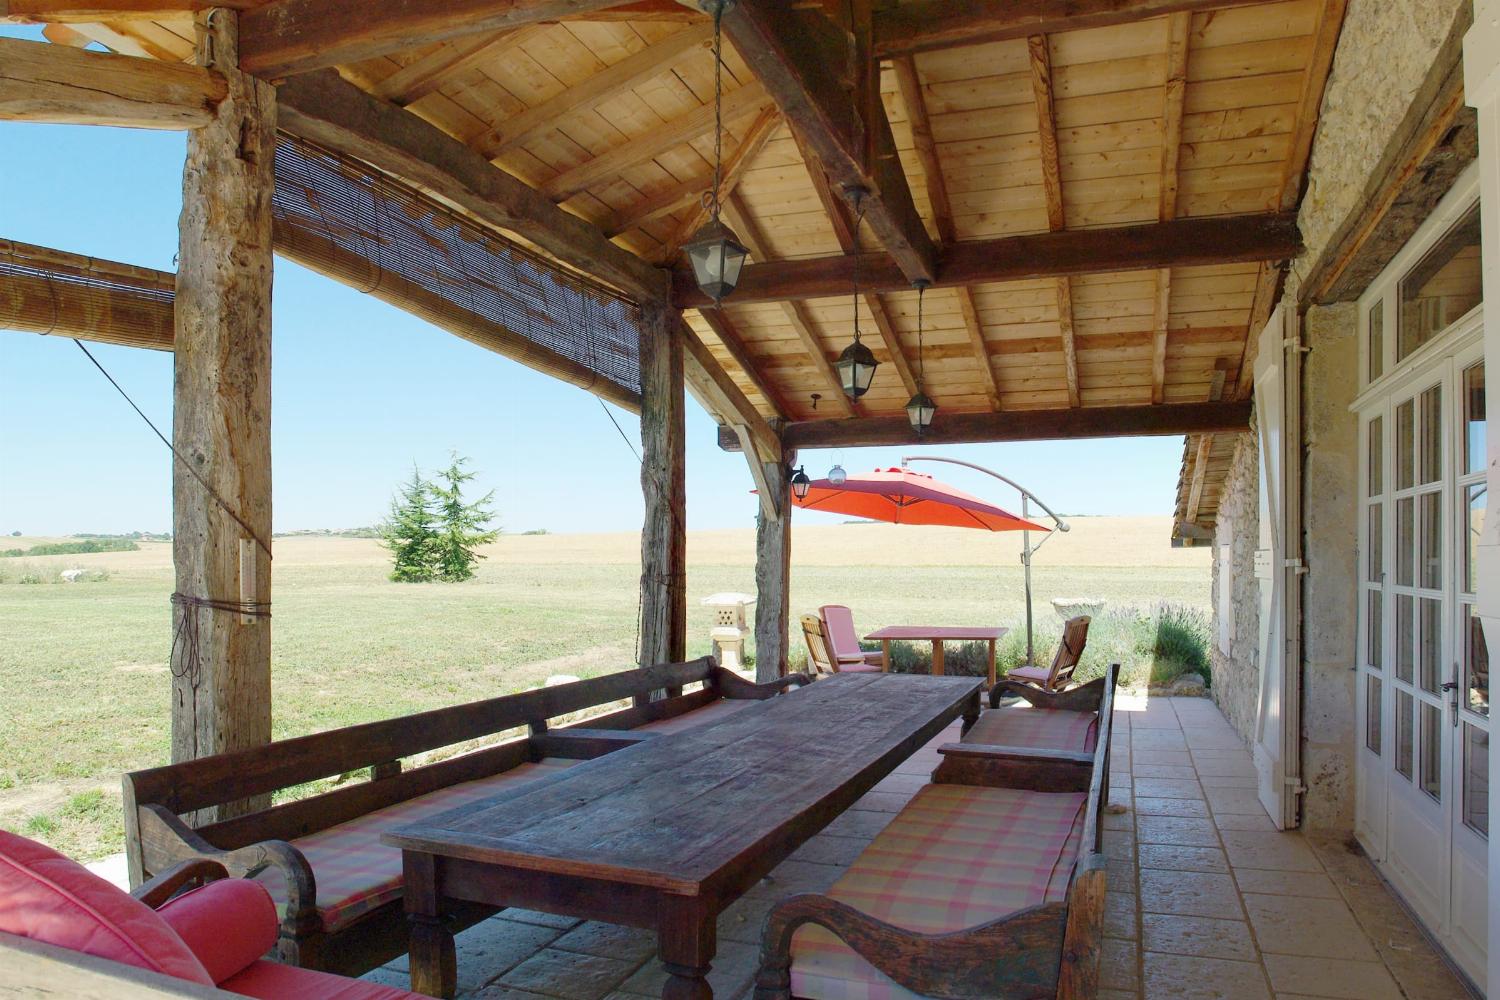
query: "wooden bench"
339, 888
988, 884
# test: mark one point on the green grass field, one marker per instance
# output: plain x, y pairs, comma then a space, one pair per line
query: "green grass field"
84, 669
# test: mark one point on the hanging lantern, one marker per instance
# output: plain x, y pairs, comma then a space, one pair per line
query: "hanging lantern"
800, 483
837, 475
856, 365
920, 409
717, 255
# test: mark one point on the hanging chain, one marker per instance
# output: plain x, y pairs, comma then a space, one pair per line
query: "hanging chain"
713, 198
921, 358
859, 218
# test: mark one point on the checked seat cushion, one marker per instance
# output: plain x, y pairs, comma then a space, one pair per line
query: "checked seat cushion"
1036, 728
955, 857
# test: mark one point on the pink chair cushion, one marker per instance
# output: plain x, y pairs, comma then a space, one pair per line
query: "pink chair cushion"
1036, 728
228, 924
273, 981
838, 622
955, 857
1031, 675
46, 897
356, 873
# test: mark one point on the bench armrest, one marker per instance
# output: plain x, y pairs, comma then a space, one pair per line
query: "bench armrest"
991, 766
163, 887
732, 685
1011, 958
1084, 698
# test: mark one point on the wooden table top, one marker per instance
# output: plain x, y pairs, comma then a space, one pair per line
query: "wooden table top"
684, 811
921, 632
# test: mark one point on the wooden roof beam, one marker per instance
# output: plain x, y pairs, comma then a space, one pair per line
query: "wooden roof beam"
798, 55
938, 24
1024, 425
425, 74
1040, 52
41, 82
1174, 92
88, 11
723, 327
755, 139
1200, 474
287, 37
325, 109
1148, 246
708, 378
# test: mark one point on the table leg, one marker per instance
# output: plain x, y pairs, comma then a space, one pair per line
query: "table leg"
937, 657
971, 712
687, 937
992, 663
885, 656
434, 965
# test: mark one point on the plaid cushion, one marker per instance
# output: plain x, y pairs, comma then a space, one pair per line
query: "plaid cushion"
955, 857
1036, 728
355, 872
712, 712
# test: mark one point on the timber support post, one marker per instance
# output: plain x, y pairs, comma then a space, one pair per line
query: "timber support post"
773, 565
663, 636
221, 426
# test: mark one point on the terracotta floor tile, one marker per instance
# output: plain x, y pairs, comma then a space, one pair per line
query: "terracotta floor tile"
1273, 851
1331, 978
1230, 780
1183, 830
1244, 821
1169, 788
1294, 925
1204, 937
1120, 917
1181, 977
1233, 800
1171, 807
1172, 758
1120, 846
1157, 739
1286, 883
1163, 770
1175, 857
568, 974
1117, 965
1213, 738
1118, 821
1190, 894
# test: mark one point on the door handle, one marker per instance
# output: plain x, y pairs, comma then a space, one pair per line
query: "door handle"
1450, 686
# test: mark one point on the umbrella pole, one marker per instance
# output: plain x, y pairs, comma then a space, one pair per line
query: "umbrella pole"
1026, 561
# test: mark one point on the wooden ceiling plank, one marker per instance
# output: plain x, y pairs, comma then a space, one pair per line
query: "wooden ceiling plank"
1185, 242
801, 57
1024, 425
723, 327
1174, 93
1321, 64
627, 74
937, 24
424, 75
288, 37
324, 108
749, 99
41, 82
705, 373
756, 136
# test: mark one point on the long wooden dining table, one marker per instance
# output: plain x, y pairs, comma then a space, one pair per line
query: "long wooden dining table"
668, 832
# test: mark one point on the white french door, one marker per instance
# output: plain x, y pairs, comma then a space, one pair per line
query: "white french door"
1423, 688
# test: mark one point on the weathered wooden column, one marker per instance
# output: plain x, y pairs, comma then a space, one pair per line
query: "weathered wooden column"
664, 534
221, 510
773, 571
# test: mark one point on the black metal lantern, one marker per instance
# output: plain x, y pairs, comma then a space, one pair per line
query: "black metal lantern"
800, 483
856, 365
920, 409
717, 255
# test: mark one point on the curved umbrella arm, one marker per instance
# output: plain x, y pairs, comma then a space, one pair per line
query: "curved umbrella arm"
1061, 524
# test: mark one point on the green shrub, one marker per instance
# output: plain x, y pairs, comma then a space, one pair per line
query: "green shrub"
74, 548
1154, 646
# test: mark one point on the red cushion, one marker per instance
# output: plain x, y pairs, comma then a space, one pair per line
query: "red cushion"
271, 981
228, 924
46, 897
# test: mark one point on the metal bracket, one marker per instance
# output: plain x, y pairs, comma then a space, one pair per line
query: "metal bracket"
1295, 343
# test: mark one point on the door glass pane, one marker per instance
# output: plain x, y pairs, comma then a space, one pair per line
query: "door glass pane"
1372, 713
1476, 664
1475, 505
1376, 544
1377, 340
1432, 541
1477, 779
1432, 435
1474, 448
1375, 445
1443, 286
1431, 637
1432, 750
1405, 640
1406, 432
1374, 634
1404, 547
1403, 733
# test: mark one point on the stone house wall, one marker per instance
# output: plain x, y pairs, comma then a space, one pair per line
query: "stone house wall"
1235, 657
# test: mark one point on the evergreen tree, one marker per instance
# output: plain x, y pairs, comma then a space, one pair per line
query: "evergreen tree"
464, 526
411, 532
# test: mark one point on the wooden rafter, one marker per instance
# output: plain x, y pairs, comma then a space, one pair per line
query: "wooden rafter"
287, 37
798, 55
41, 82
843, 228
1024, 425
1069, 339
337, 115
723, 327
1188, 242
87, 11
743, 157
936, 24
728, 402
1205, 446
747, 100
1040, 52
796, 313
627, 74
425, 74
1174, 92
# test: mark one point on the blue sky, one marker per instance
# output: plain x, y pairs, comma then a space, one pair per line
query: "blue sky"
362, 390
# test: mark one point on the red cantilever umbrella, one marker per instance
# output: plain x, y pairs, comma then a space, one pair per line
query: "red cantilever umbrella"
901, 496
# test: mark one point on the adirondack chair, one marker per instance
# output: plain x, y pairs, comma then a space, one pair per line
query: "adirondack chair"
1075, 636
820, 656
843, 641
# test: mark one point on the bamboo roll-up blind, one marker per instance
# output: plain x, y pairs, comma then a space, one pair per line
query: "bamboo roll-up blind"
340, 217
52, 292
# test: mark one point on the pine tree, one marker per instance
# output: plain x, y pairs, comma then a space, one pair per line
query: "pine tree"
464, 526
411, 532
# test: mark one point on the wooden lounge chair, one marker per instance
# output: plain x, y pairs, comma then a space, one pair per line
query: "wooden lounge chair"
843, 641
819, 659
1069, 651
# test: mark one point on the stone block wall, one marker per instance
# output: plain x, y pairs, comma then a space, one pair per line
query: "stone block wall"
1236, 655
